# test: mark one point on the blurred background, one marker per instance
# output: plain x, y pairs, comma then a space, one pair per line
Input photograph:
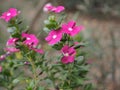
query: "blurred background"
101, 19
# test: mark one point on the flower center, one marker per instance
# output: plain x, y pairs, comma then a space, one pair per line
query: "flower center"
70, 29
28, 38
54, 36
8, 14
14, 40
66, 54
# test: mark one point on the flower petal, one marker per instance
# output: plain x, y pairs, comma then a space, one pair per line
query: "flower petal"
67, 59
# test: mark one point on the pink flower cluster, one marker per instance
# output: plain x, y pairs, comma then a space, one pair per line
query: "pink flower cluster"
49, 8
11, 13
56, 35
30, 40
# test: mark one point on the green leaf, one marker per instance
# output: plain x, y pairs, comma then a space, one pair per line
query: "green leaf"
15, 81
88, 87
31, 84
41, 88
58, 46
80, 59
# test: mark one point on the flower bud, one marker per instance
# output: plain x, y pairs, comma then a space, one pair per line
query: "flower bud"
2, 57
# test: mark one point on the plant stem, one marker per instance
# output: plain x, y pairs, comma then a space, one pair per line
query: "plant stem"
34, 71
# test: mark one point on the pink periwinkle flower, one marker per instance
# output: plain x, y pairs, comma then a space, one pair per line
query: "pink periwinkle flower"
57, 9
69, 54
11, 13
11, 42
54, 37
49, 7
0, 68
30, 39
71, 28
12, 49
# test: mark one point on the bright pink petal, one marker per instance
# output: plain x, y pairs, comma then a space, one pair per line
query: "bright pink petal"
68, 28
71, 51
54, 37
30, 39
75, 31
47, 7
51, 33
50, 8
5, 17
59, 9
71, 29
71, 23
67, 59
56, 40
64, 60
11, 13
71, 59
12, 49
65, 49
11, 42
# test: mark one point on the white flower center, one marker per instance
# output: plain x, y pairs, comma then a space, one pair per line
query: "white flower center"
54, 36
66, 54
14, 40
70, 29
28, 38
8, 14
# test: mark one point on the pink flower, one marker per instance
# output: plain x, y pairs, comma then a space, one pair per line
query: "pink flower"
2, 57
69, 54
49, 7
57, 9
11, 45
54, 37
12, 49
30, 39
71, 28
11, 13
11, 41
0, 68
40, 51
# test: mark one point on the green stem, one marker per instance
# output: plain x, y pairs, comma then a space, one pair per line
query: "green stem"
34, 72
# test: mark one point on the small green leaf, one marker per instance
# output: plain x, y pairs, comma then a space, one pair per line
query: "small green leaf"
41, 88
15, 81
